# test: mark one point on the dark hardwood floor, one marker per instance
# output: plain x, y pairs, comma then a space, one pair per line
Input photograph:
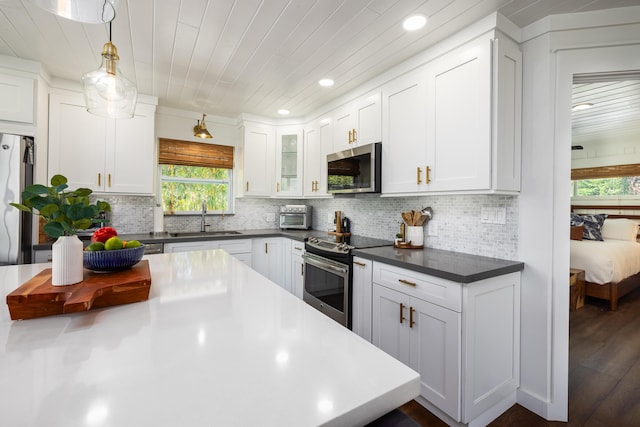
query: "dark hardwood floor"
604, 371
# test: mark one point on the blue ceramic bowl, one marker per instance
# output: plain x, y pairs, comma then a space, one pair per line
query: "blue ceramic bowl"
116, 260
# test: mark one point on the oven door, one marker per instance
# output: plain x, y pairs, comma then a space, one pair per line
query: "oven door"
293, 220
326, 287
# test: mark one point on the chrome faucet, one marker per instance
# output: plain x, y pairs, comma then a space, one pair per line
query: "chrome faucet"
202, 217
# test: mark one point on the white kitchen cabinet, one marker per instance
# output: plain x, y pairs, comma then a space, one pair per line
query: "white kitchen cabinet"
404, 151
317, 144
238, 248
463, 339
289, 160
268, 256
17, 98
454, 124
259, 160
297, 268
358, 123
362, 297
105, 155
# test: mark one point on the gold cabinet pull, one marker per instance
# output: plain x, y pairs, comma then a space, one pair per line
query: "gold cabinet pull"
401, 312
350, 137
109, 180
355, 136
418, 172
277, 187
247, 186
99, 179
406, 282
266, 248
361, 264
302, 269
426, 175
297, 249
411, 322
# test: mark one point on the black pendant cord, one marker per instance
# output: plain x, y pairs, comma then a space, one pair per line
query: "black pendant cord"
110, 31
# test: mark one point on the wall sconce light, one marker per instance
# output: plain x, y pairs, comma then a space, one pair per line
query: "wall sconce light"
200, 130
107, 92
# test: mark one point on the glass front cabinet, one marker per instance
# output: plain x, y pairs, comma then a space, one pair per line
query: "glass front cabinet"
289, 162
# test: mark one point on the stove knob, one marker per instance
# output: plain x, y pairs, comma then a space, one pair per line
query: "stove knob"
313, 239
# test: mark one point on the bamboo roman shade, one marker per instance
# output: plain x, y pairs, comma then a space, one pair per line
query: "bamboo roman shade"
186, 153
605, 172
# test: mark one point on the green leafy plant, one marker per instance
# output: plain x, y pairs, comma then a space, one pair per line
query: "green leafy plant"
64, 212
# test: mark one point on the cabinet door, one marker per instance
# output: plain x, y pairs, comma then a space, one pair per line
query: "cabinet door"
317, 144
76, 142
405, 140
435, 353
268, 259
344, 122
368, 114
186, 247
131, 156
16, 99
239, 248
459, 119
297, 268
362, 297
289, 155
259, 161
390, 312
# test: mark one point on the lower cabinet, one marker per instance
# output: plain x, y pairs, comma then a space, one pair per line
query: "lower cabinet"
239, 248
297, 268
463, 339
269, 259
361, 299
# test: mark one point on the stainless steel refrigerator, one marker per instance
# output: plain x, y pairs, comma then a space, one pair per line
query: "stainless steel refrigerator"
16, 172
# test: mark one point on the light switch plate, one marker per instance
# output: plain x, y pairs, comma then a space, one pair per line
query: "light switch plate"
270, 217
432, 228
493, 215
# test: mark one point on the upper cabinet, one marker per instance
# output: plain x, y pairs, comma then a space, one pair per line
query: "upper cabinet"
16, 98
259, 160
289, 158
454, 124
317, 144
105, 155
358, 123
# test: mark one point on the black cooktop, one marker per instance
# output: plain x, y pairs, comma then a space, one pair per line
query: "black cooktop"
359, 242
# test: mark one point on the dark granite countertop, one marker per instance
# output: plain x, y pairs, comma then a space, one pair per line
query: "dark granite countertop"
455, 266
169, 237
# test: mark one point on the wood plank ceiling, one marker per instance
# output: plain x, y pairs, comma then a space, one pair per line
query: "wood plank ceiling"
226, 57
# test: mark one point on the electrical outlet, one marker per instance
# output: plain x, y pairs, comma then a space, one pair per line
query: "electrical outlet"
330, 218
493, 215
270, 217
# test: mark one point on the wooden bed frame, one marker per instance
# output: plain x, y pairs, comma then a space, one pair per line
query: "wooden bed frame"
611, 292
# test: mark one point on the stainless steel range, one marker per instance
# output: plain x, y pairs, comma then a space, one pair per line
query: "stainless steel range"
328, 274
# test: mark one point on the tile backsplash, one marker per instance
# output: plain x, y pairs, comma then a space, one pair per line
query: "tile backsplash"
457, 217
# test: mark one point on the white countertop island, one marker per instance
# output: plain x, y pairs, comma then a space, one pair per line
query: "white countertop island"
216, 344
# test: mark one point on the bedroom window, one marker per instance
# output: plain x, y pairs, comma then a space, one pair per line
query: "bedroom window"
619, 181
192, 173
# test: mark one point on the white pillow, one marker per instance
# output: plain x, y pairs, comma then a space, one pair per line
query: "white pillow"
620, 229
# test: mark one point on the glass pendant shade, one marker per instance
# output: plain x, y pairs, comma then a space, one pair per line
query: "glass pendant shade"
87, 11
200, 130
107, 92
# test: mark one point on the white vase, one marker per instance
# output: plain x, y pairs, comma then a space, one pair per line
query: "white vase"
415, 235
66, 261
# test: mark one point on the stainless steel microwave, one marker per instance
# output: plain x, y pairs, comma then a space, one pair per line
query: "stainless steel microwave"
356, 170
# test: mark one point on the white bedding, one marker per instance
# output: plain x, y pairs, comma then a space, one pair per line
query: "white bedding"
607, 261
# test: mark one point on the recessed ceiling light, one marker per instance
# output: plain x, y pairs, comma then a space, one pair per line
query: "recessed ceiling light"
414, 22
325, 82
283, 112
583, 106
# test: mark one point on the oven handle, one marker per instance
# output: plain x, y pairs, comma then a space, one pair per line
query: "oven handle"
324, 264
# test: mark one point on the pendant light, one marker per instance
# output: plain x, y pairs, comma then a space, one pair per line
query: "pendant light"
87, 11
107, 92
200, 130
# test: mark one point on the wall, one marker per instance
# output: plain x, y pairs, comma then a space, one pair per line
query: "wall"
554, 49
458, 219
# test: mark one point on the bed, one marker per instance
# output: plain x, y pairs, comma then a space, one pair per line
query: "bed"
607, 251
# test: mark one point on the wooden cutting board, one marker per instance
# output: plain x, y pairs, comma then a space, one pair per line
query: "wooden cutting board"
38, 297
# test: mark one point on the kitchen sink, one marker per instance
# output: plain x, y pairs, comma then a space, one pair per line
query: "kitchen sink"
205, 233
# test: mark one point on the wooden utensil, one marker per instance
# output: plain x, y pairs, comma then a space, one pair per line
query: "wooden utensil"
416, 217
407, 217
